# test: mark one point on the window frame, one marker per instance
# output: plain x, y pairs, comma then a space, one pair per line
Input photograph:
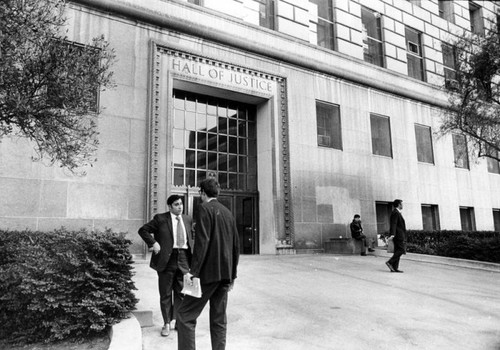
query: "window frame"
336, 113
419, 148
476, 18
496, 219
471, 216
374, 116
445, 10
457, 155
434, 212
330, 25
367, 39
413, 55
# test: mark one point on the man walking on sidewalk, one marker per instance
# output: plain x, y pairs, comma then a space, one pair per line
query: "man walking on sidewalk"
398, 230
215, 259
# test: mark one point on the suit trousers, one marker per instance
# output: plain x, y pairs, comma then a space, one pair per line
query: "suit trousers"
394, 260
171, 280
191, 308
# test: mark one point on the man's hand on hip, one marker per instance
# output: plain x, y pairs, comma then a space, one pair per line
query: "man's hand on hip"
156, 248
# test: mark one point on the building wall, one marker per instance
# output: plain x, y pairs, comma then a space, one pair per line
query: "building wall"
327, 186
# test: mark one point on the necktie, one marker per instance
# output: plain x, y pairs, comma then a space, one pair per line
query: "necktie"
180, 233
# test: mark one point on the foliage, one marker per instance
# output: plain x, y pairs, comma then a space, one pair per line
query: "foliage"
474, 94
63, 284
49, 87
473, 245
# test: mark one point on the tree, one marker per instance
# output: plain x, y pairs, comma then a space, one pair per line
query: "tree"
49, 86
474, 94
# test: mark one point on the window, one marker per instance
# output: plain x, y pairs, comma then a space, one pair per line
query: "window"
430, 217
496, 219
213, 138
467, 219
266, 13
381, 135
328, 123
372, 37
414, 53
476, 19
423, 137
383, 211
415, 2
446, 10
450, 65
493, 164
322, 30
460, 151
196, 2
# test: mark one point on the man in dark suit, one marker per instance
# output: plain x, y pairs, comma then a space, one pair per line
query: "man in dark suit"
215, 259
169, 235
398, 231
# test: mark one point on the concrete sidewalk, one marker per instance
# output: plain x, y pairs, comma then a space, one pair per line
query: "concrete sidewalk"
345, 302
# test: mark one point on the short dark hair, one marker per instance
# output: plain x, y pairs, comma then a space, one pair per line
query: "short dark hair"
356, 216
210, 187
173, 198
397, 202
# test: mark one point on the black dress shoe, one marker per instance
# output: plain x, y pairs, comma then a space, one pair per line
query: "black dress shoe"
363, 254
371, 250
398, 271
390, 266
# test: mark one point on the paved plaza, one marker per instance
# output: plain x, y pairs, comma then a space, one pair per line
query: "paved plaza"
313, 302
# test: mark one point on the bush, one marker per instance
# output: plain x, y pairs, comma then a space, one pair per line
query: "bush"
63, 284
472, 245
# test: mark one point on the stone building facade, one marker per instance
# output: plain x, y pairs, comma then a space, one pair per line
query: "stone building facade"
306, 111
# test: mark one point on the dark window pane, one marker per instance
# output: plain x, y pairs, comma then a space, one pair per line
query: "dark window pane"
212, 142
222, 125
328, 125
242, 146
201, 175
251, 131
242, 165
460, 151
233, 145
383, 211
242, 182
190, 178
190, 159
202, 141
415, 67
222, 178
233, 181
222, 162
242, 128
233, 163
212, 161
430, 217
178, 177
496, 219
493, 165
424, 144
222, 143
252, 165
191, 139
266, 13
467, 219
252, 183
381, 135
202, 160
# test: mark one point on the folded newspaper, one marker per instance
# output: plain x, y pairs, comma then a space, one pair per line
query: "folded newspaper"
191, 287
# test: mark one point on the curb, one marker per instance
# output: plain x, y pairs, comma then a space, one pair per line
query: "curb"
126, 334
455, 262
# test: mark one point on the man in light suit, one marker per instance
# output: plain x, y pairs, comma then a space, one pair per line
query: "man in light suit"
398, 230
169, 235
215, 260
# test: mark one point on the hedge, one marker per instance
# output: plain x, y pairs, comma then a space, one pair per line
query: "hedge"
472, 245
63, 284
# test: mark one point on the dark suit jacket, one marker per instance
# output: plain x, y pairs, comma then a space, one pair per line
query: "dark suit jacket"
216, 252
161, 228
398, 229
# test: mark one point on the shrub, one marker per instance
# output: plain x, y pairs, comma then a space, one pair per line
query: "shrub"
472, 245
63, 284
